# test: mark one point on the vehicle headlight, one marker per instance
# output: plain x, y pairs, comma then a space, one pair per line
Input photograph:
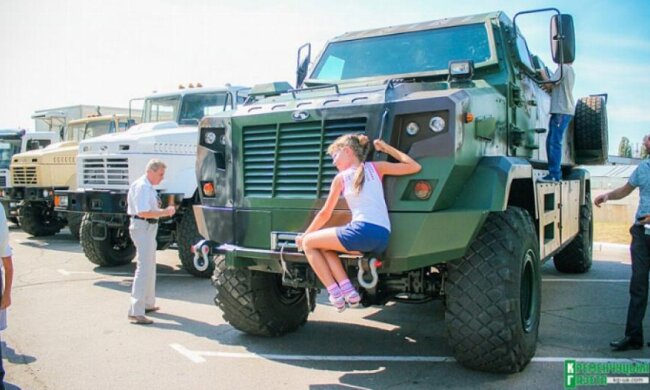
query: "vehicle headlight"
437, 124
210, 137
412, 128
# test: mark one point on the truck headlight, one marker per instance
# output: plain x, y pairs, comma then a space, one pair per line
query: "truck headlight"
437, 124
209, 137
412, 128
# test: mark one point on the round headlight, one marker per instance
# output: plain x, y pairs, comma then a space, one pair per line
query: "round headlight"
437, 124
412, 128
210, 137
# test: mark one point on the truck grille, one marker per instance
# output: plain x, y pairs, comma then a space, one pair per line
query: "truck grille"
290, 160
106, 171
24, 175
3, 181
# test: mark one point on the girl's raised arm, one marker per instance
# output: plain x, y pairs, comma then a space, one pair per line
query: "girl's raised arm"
405, 165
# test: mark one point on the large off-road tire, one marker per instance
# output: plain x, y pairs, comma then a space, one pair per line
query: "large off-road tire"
116, 249
494, 297
74, 224
187, 234
590, 130
39, 219
257, 303
576, 258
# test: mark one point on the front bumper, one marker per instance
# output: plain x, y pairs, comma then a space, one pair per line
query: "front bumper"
102, 201
417, 239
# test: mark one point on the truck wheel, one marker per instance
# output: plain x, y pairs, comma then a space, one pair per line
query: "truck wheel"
74, 224
576, 258
590, 130
39, 220
116, 249
187, 235
494, 297
257, 303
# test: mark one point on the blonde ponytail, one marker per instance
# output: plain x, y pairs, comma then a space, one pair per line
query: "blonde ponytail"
360, 145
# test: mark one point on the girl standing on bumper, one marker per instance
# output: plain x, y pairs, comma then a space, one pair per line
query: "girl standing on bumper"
360, 183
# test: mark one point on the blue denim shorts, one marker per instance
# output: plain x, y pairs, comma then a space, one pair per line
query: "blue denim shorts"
363, 237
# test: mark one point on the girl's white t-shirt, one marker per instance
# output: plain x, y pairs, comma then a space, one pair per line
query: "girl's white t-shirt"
369, 205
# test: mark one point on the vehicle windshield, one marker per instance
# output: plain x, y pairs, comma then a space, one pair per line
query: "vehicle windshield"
196, 106
161, 109
412, 52
7, 149
81, 131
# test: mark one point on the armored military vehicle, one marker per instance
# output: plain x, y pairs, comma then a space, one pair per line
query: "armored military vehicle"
464, 97
38, 173
107, 165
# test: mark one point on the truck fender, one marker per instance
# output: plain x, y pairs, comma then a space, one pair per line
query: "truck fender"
488, 188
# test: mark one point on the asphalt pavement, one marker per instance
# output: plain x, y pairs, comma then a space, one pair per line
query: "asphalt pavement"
68, 329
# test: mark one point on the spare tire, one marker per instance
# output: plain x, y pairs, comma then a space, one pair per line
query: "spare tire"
590, 130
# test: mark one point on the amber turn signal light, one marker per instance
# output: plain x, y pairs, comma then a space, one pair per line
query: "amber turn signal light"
422, 190
208, 189
469, 117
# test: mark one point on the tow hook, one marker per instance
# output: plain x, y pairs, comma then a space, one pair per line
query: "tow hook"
368, 265
201, 250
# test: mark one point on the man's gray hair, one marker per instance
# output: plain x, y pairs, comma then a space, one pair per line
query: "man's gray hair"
155, 164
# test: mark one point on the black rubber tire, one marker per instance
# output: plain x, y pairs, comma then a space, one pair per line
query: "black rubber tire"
74, 224
590, 131
494, 295
14, 220
38, 219
106, 253
577, 257
255, 302
187, 234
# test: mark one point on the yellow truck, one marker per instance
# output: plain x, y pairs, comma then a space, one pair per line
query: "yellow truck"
35, 175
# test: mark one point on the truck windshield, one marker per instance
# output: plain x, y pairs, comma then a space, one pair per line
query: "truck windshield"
411, 52
196, 106
7, 149
161, 109
95, 129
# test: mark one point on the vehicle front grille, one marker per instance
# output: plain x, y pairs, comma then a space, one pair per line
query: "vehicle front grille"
24, 175
3, 181
290, 160
105, 171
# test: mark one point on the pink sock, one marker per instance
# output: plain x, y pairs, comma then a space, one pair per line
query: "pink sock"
346, 287
334, 290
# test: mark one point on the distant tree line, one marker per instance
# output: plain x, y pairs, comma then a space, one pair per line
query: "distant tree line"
625, 149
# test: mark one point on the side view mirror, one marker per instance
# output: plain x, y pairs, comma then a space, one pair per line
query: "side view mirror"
563, 45
302, 63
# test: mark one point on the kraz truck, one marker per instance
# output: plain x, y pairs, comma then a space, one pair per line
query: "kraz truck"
463, 96
38, 173
107, 165
12, 142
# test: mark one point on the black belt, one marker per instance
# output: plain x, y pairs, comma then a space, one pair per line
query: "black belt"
152, 221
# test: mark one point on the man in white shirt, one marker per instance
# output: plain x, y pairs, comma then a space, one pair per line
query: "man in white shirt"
6, 272
144, 208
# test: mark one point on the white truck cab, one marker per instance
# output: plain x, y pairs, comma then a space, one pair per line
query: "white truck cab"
106, 166
15, 141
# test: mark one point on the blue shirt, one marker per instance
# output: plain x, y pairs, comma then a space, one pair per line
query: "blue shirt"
641, 178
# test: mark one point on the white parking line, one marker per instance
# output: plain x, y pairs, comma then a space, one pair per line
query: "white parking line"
199, 357
588, 280
68, 273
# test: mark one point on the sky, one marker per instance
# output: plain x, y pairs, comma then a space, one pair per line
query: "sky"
56, 53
